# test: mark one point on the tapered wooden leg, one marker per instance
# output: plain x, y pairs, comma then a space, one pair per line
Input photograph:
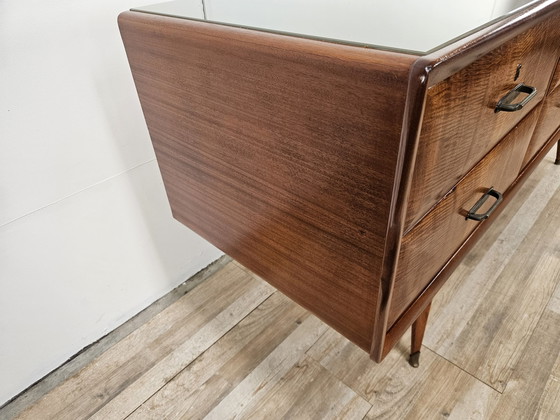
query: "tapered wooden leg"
557, 162
418, 329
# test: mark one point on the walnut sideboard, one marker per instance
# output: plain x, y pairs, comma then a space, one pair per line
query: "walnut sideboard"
353, 175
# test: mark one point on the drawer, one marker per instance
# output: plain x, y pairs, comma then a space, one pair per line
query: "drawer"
460, 125
549, 121
430, 244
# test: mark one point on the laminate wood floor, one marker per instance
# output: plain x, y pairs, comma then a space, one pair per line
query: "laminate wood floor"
233, 347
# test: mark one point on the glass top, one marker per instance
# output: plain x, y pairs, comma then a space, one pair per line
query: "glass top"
412, 26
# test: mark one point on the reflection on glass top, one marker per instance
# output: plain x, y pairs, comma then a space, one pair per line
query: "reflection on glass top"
411, 25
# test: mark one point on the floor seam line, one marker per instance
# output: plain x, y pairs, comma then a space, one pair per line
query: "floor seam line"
467, 372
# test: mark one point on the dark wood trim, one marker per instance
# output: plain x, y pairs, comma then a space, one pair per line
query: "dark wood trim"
417, 336
425, 298
454, 57
412, 121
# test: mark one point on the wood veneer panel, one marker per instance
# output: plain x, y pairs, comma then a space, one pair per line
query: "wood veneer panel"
280, 151
426, 248
555, 82
548, 123
460, 125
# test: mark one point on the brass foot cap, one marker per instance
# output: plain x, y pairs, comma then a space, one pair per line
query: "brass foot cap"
414, 359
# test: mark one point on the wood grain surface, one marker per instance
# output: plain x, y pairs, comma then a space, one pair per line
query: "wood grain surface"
555, 82
548, 123
426, 248
280, 151
460, 125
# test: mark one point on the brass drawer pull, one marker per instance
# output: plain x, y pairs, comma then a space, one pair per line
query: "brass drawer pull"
505, 104
479, 217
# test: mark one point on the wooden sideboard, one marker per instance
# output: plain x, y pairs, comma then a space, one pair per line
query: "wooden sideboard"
347, 176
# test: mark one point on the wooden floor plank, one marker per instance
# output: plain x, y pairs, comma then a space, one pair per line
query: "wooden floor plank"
554, 303
549, 406
487, 260
307, 391
269, 371
354, 368
197, 389
154, 379
449, 392
529, 392
490, 345
437, 389
112, 372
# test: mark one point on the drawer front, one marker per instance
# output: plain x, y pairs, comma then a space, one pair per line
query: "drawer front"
460, 125
549, 121
430, 244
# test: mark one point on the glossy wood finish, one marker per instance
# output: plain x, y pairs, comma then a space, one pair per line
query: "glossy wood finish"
555, 82
405, 169
425, 298
265, 151
300, 158
460, 124
427, 247
417, 336
549, 122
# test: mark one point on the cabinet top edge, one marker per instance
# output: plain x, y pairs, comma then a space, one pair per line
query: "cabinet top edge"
394, 63
411, 29
445, 61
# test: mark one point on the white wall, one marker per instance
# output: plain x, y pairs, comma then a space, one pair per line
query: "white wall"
86, 235
405, 24
504, 6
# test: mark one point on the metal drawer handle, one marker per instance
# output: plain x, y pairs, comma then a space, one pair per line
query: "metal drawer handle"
505, 104
473, 215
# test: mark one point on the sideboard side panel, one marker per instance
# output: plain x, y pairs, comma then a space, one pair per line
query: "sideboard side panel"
280, 151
